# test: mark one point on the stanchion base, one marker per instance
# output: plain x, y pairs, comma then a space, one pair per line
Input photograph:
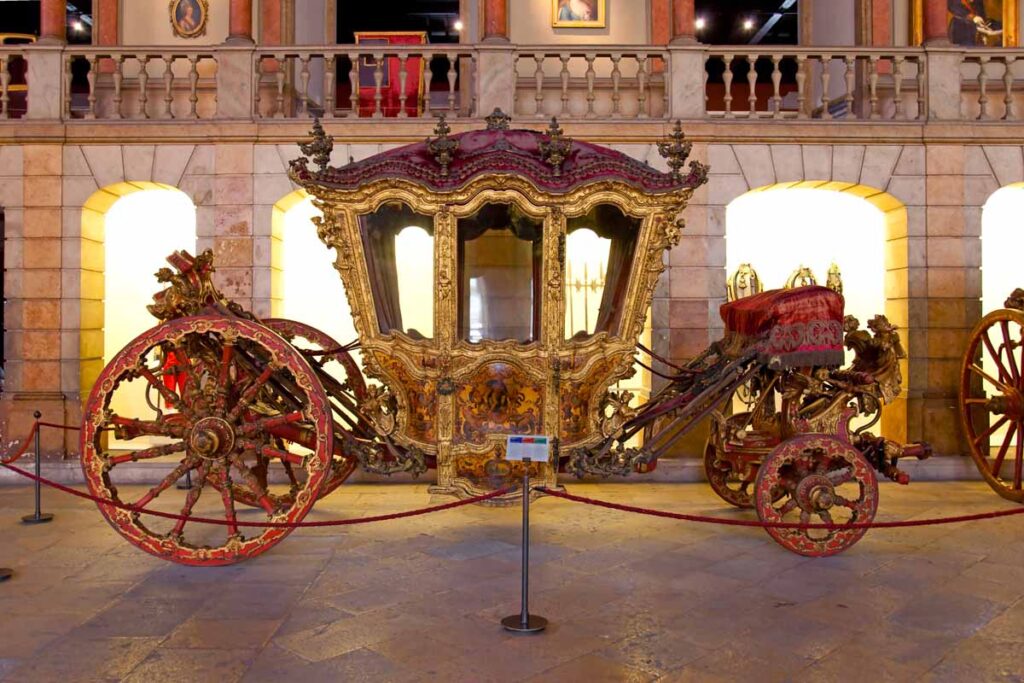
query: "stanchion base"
41, 519
183, 487
5, 574
534, 624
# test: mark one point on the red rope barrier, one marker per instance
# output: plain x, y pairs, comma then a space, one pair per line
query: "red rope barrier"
260, 525
701, 519
8, 459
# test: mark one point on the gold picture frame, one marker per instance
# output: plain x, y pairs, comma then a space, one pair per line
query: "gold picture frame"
1008, 12
578, 13
184, 20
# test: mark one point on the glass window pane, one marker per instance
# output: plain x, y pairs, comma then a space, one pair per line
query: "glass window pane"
598, 261
399, 246
499, 274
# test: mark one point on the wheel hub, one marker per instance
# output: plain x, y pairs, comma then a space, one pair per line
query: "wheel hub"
815, 493
212, 438
1010, 404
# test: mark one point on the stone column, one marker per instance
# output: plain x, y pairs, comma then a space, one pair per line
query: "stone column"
495, 21
683, 28
53, 22
935, 30
240, 22
270, 23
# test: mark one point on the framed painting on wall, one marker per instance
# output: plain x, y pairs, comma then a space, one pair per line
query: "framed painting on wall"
973, 23
188, 17
578, 13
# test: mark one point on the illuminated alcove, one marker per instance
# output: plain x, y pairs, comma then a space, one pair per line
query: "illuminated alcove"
1001, 238
307, 288
135, 225
1002, 235
814, 224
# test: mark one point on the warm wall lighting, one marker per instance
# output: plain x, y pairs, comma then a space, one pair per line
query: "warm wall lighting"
700, 23
748, 24
77, 26
458, 25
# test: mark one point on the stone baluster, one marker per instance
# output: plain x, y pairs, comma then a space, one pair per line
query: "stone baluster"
304, 85
564, 74
118, 78
727, 82
90, 79
403, 78
922, 88
143, 86
591, 96
193, 86
329, 91
616, 80
801, 86
641, 82
752, 85
897, 87
873, 112
279, 75
826, 61
983, 114
851, 69
453, 74
5, 78
666, 90
66, 97
776, 86
378, 82
538, 82
168, 86
1011, 113
427, 60
704, 82
353, 80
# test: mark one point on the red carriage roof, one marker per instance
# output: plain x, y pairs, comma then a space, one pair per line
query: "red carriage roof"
502, 150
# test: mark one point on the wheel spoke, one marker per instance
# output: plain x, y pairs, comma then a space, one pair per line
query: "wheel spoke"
132, 427
1018, 465
170, 398
226, 358
191, 498
842, 476
1014, 368
977, 370
991, 430
147, 453
176, 474
1004, 376
826, 516
229, 502
266, 423
283, 456
997, 464
787, 507
844, 501
249, 394
254, 485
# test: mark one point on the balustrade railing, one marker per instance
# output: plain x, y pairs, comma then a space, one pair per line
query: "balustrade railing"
358, 81
802, 83
139, 83
13, 85
576, 83
589, 82
988, 79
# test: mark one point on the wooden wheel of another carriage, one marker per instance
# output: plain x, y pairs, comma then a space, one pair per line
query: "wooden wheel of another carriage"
346, 389
814, 479
244, 393
992, 400
730, 485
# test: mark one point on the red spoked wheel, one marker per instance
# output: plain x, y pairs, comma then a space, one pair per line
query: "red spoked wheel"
345, 389
246, 394
992, 401
814, 479
735, 488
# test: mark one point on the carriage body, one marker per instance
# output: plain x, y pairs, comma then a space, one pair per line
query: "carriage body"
499, 210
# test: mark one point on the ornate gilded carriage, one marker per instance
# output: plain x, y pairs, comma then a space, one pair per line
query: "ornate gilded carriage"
515, 196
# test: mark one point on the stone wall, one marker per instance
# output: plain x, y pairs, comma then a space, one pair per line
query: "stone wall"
54, 251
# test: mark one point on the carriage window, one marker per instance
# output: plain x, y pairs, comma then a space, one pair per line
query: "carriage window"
499, 275
598, 259
399, 246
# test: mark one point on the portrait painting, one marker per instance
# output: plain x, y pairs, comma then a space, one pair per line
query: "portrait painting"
578, 13
975, 23
188, 17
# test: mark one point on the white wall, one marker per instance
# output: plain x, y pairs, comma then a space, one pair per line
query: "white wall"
626, 22
148, 22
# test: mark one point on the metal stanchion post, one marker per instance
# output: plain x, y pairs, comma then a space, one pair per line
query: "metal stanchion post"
187, 484
524, 622
38, 517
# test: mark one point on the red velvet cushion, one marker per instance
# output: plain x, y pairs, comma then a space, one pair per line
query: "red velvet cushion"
795, 327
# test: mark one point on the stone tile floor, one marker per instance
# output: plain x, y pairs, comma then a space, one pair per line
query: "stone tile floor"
630, 598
